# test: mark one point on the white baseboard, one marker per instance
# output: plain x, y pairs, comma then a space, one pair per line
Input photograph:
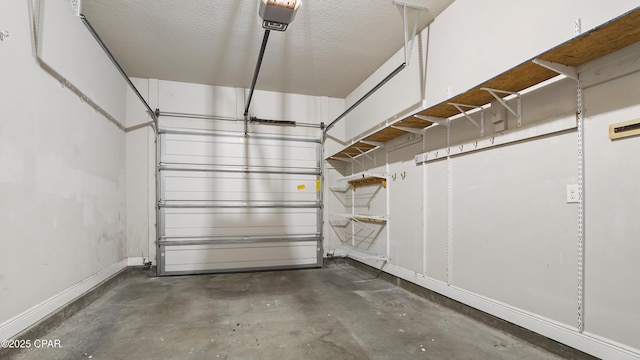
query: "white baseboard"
23, 321
586, 342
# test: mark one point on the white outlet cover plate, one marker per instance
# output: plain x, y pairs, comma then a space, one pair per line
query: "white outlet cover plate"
572, 193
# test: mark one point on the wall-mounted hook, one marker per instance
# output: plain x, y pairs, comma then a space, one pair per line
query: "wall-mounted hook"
403, 175
393, 177
4, 34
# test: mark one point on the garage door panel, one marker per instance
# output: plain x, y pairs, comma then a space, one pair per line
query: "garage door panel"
234, 151
228, 202
202, 257
239, 187
217, 222
251, 263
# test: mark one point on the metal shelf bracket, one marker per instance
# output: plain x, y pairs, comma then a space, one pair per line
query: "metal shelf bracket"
433, 119
365, 153
568, 71
349, 160
408, 129
518, 112
466, 114
353, 159
373, 143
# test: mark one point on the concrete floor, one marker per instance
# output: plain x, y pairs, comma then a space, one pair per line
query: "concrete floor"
338, 312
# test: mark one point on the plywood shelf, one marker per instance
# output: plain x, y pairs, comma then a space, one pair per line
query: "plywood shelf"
369, 219
600, 41
342, 220
368, 180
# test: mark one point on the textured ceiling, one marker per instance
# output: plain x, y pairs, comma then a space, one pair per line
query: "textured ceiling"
328, 50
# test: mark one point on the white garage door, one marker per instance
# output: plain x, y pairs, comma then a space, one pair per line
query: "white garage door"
230, 203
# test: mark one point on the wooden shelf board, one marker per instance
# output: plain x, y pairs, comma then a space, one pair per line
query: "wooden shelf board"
383, 135
368, 180
517, 79
605, 39
600, 41
413, 122
369, 220
352, 150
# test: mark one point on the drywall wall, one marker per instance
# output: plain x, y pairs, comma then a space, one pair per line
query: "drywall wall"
436, 217
495, 227
612, 203
62, 181
512, 216
140, 179
405, 192
405, 91
68, 59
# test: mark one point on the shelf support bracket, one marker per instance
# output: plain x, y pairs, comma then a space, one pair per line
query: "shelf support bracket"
353, 159
518, 112
433, 119
408, 129
364, 153
341, 159
466, 114
373, 143
568, 71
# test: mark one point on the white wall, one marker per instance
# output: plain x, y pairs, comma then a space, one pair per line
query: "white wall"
492, 228
612, 202
140, 179
62, 177
404, 91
